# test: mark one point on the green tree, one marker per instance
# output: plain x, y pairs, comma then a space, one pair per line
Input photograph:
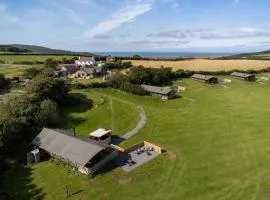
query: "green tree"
44, 87
50, 63
31, 72
48, 114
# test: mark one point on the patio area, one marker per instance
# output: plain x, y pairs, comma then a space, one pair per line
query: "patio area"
135, 158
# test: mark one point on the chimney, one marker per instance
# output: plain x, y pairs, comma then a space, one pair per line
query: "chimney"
74, 132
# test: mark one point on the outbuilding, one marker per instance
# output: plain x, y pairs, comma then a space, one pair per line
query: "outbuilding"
68, 69
86, 156
162, 92
85, 73
101, 136
244, 76
205, 78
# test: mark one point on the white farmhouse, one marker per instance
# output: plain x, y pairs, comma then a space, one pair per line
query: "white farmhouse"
84, 62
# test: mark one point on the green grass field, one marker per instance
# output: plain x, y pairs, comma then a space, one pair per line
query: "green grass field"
15, 70
40, 58
87, 81
218, 139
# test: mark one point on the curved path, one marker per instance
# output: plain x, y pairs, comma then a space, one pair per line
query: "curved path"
139, 126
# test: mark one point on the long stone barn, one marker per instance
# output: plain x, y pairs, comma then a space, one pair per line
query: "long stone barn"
87, 156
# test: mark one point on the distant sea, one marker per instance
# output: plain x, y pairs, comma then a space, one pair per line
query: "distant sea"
163, 54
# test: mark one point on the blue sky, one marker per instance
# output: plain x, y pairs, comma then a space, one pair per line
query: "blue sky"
138, 25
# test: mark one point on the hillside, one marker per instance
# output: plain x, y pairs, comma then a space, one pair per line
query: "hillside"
33, 49
263, 55
12, 49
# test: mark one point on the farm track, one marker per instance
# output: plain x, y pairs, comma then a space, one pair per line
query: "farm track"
139, 126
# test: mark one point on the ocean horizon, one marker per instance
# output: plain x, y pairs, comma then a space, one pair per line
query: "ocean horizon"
164, 54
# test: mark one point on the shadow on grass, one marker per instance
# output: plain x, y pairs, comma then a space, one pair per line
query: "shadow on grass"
17, 184
78, 192
116, 139
4, 91
74, 103
107, 168
78, 103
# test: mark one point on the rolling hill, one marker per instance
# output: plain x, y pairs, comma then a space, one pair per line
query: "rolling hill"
263, 55
33, 49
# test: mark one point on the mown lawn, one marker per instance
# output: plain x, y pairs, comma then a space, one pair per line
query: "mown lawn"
218, 139
87, 81
106, 112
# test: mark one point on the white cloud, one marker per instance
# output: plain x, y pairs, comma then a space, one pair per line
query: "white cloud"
2, 8
235, 2
118, 18
75, 17
237, 34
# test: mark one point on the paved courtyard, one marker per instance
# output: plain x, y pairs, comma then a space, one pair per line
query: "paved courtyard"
139, 159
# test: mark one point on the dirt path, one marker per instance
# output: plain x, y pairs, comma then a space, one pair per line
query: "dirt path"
139, 126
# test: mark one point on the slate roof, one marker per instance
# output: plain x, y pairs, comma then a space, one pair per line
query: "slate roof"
68, 147
70, 67
202, 77
242, 75
91, 59
88, 70
157, 90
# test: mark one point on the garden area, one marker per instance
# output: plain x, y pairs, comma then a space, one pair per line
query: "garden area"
217, 140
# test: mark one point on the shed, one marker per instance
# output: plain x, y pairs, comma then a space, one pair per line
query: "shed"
69, 68
101, 135
244, 76
205, 78
85, 72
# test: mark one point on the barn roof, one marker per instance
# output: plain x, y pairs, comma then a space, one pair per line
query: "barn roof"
202, 77
243, 75
70, 67
88, 70
85, 59
157, 90
68, 147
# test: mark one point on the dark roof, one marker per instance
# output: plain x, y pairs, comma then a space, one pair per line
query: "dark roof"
88, 70
202, 77
243, 75
70, 67
68, 147
157, 90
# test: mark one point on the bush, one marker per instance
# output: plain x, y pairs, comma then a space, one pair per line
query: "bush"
117, 65
4, 82
132, 88
89, 85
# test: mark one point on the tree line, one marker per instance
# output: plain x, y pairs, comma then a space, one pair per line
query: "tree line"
23, 116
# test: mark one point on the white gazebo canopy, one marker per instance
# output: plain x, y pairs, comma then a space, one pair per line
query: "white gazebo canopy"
99, 132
